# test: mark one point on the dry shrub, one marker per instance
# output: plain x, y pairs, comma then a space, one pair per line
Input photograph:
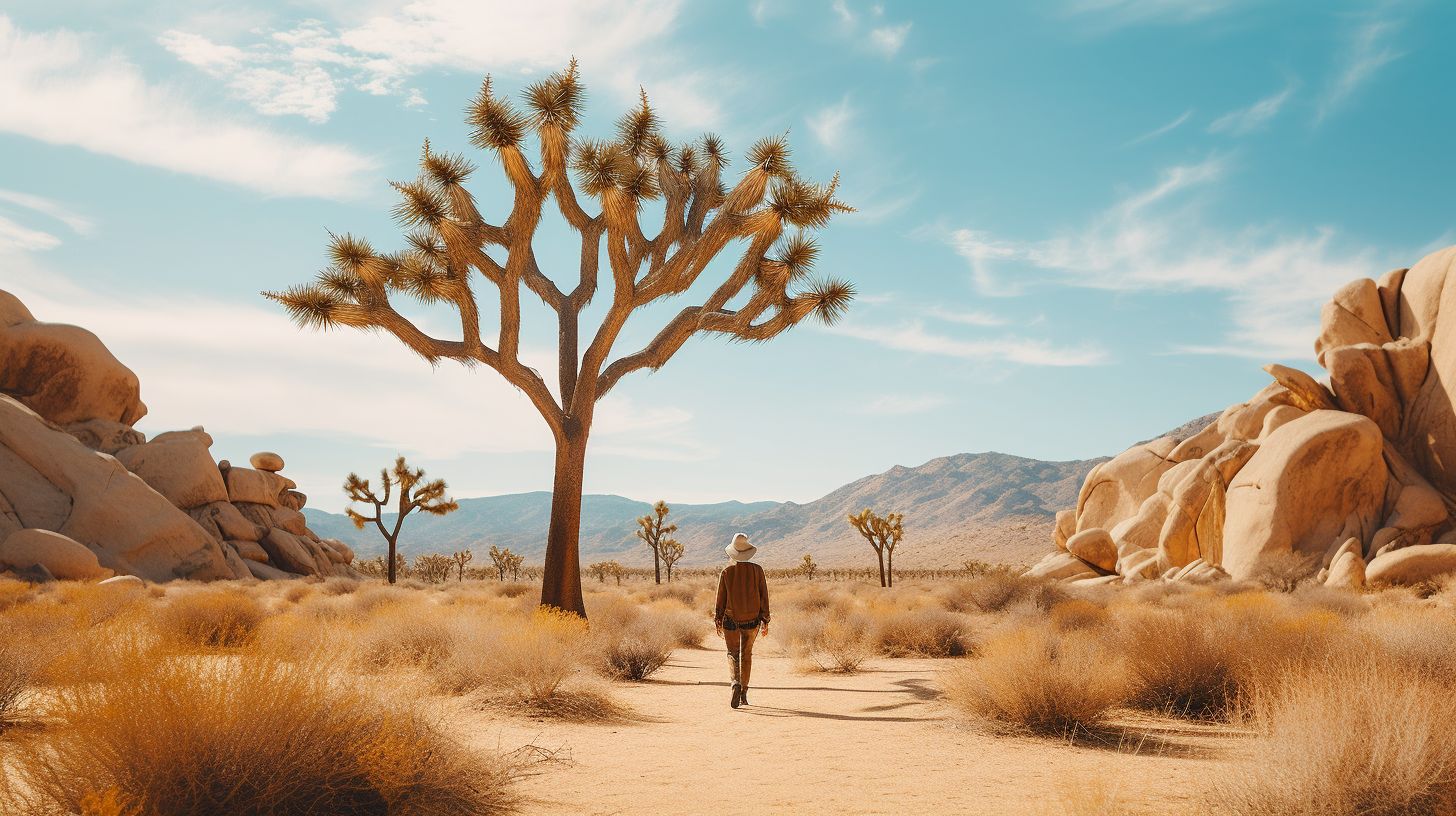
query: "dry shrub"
1415, 639
924, 632
688, 595
511, 590
13, 592
405, 635
18, 668
526, 664
998, 591
634, 650
212, 618
1037, 680
1285, 571
1347, 739
833, 640
248, 734
1200, 657
1078, 614
339, 585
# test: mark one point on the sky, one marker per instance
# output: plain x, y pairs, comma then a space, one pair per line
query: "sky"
1079, 223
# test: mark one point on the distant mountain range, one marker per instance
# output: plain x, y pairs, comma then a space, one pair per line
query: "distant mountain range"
984, 505
990, 506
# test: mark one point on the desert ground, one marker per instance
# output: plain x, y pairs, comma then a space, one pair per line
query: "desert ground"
984, 693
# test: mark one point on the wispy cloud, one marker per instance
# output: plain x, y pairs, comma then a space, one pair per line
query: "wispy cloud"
303, 70
50, 207
889, 39
890, 405
1369, 51
1156, 240
1164, 129
884, 37
828, 123
911, 336
54, 88
966, 318
1247, 120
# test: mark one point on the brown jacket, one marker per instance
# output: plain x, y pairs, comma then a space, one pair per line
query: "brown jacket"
742, 594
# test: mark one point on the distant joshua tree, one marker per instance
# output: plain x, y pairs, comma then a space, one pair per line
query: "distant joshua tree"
506, 562
883, 534
655, 532
602, 569
807, 568
433, 568
427, 498
771, 213
671, 552
461, 559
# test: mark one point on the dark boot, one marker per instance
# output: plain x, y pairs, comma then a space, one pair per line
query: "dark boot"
743, 695
737, 695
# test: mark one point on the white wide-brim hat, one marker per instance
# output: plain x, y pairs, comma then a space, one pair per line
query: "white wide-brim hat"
740, 549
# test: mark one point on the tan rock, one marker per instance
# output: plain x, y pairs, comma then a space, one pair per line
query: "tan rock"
255, 486
129, 582
290, 520
105, 435
180, 469
9, 521
1066, 527
288, 551
235, 562
1116, 489
1095, 547
265, 460
1277, 417
1412, 565
1138, 564
129, 526
66, 559
195, 435
1418, 507
1060, 566
1354, 315
340, 547
1298, 490
294, 500
250, 550
1305, 392
1142, 530
265, 572
1198, 445
64, 372
232, 523
1348, 572
1385, 540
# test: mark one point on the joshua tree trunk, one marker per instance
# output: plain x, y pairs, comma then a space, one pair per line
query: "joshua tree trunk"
561, 579
880, 554
890, 572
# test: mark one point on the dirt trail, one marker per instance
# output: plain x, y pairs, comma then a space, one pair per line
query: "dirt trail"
875, 742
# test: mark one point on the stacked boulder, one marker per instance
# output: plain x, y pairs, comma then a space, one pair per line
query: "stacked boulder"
84, 495
1352, 474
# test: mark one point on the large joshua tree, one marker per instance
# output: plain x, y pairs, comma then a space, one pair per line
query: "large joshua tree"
451, 251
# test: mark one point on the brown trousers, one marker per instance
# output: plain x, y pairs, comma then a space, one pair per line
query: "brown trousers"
740, 653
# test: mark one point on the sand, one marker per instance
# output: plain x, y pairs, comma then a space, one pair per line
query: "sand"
874, 742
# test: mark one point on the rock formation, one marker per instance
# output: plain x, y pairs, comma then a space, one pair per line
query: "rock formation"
84, 495
1353, 476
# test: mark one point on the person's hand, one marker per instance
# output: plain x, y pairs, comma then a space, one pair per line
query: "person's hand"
719, 629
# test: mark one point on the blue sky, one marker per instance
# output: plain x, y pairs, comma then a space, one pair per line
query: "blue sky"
1080, 223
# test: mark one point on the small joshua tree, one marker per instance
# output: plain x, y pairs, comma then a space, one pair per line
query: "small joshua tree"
480, 270
461, 559
671, 552
433, 568
807, 568
617, 571
655, 532
600, 570
427, 498
505, 562
883, 534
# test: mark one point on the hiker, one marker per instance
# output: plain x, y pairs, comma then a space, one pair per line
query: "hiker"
741, 612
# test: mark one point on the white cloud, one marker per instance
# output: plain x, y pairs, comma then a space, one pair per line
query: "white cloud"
53, 88
1246, 120
56, 210
911, 336
888, 39
1164, 129
1273, 283
1368, 53
967, 318
828, 124
845, 15
617, 41
15, 237
891, 405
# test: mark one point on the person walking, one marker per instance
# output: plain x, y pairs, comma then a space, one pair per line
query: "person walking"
741, 612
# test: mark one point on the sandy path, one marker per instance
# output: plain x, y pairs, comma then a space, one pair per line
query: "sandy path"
875, 742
